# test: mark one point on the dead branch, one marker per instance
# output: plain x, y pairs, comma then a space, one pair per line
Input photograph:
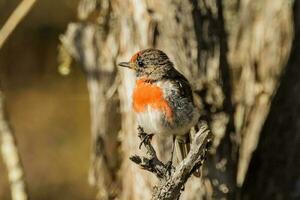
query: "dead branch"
151, 164
19, 13
172, 181
11, 157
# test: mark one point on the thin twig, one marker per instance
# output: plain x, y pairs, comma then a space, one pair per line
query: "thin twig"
15, 18
11, 157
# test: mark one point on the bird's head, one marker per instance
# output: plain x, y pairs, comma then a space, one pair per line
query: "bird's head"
149, 63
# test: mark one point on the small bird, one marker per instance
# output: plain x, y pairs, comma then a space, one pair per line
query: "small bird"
162, 99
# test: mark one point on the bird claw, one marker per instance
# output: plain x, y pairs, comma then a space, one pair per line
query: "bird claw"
169, 167
144, 137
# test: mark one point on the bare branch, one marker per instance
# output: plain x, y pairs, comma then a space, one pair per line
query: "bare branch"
151, 163
11, 157
15, 18
171, 184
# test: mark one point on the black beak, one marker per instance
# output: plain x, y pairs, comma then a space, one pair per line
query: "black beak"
124, 64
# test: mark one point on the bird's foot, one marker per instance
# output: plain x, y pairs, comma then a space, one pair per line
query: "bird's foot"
169, 167
146, 138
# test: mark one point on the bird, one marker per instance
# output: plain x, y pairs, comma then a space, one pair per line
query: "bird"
162, 99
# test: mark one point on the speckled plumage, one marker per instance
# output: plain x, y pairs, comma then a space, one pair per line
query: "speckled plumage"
162, 98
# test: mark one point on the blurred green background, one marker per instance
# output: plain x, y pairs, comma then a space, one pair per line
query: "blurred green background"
49, 112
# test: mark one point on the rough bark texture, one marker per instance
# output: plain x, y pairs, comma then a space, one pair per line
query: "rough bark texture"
259, 50
274, 170
172, 179
232, 52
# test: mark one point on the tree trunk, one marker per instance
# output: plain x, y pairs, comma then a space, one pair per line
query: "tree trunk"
274, 170
232, 52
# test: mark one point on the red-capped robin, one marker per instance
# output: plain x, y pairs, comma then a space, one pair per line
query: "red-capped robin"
162, 98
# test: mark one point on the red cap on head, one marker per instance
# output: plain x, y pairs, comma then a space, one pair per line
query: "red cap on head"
135, 56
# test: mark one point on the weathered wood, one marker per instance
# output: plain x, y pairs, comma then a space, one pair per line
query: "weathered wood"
171, 186
11, 156
274, 170
87, 43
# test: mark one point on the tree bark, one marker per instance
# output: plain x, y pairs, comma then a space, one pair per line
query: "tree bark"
274, 169
233, 52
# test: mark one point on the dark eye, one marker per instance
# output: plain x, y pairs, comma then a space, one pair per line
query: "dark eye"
139, 62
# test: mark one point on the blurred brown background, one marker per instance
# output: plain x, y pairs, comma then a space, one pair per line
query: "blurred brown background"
49, 112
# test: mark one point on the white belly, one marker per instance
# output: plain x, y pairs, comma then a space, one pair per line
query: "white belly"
154, 122
151, 121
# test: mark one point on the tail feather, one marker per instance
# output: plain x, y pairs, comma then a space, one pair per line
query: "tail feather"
182, 146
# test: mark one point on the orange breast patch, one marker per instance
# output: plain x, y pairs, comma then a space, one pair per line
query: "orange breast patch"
146, 94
